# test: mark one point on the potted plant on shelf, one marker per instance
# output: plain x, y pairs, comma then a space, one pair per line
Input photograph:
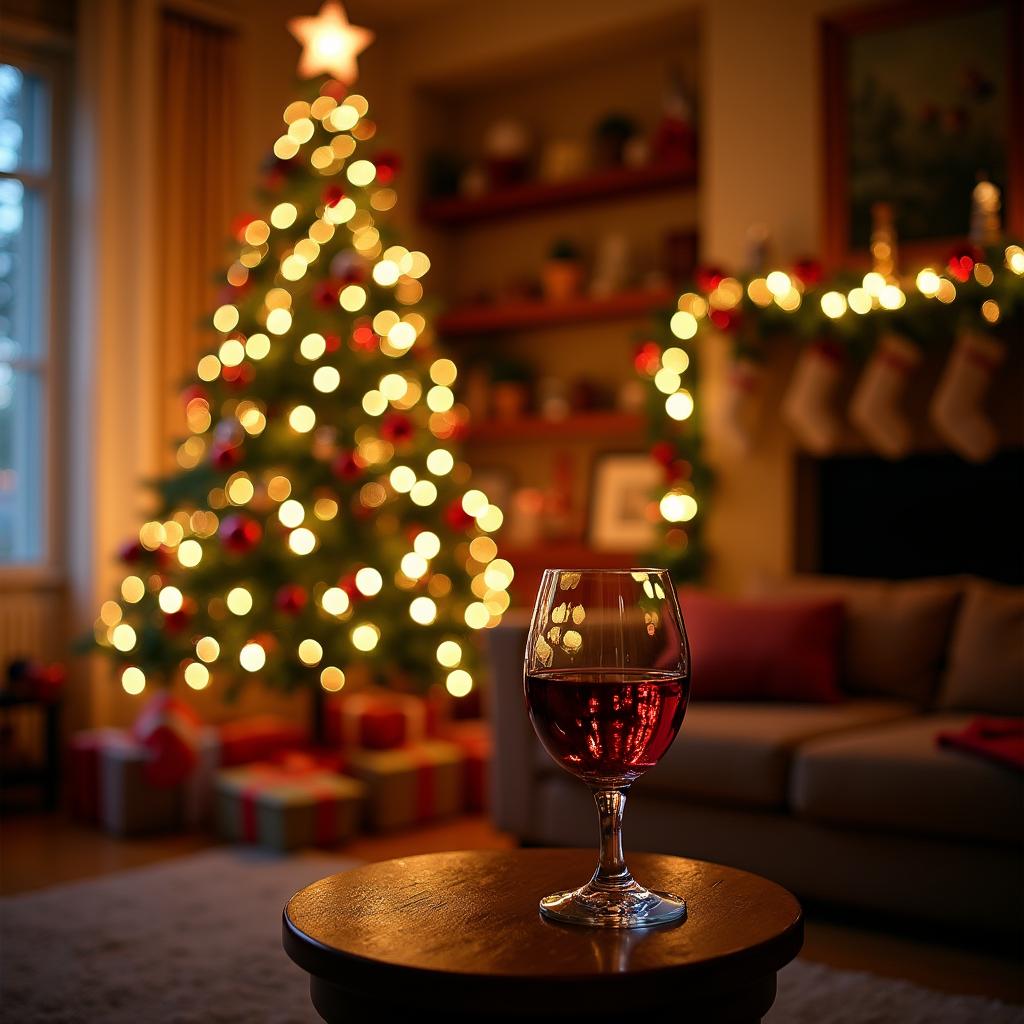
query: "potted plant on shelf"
511, 383
562, 274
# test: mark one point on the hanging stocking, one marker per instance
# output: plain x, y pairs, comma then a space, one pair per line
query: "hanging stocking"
957, 409
876, 408
741, 405
811, 403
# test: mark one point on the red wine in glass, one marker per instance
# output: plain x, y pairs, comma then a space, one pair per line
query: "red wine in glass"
604, 725
606, 681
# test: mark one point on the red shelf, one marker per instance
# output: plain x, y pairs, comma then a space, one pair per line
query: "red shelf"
541, 195
494, 319
578, 425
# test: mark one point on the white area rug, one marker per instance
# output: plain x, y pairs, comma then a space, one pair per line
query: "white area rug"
197, 940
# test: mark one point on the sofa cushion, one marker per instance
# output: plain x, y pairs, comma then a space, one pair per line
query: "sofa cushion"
986, 659
896, 776
740, 753
896, 633
763, 650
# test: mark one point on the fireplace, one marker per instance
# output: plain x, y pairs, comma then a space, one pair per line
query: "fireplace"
927, 515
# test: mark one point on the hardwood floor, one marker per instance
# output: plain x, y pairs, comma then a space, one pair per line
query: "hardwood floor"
42, 850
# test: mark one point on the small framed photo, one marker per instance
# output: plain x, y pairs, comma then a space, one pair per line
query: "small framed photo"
920, 100
622, 491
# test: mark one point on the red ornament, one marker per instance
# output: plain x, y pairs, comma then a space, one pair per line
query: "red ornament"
335, 89
240, 223
239, 533
678, 470
175, 622
348, 584
192, 392
290, 599
332, 195
664, 453
131, 552
364, 339
709, 278
647, 358
396, 427
388, 164
457, 517
808, 272
725, 319
325, 294
962, 260
225, 456
332, 342
347, 465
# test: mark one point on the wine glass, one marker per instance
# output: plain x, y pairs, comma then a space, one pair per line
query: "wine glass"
607, 679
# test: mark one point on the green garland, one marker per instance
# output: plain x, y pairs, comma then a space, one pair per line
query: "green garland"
980, 290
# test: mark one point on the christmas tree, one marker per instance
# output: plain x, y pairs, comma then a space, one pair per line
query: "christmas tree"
321, 524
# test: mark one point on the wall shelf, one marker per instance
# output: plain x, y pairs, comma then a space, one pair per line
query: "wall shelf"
582, 425
508, 202
517, 316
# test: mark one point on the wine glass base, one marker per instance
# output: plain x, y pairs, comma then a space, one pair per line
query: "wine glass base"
634, 907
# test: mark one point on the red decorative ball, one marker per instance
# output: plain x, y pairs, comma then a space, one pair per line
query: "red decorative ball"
239, 533
396, 427
808, 271
678, 470
325, 294
725, 319
457, 517
388, 164
709, 278
175, 622
664, 453
290, 599
240, 223
348, 584
332, 342
225, 456
364, 338
647, 358
332, 195
335, 89
347, 465
192, 392
131, 552
962, 260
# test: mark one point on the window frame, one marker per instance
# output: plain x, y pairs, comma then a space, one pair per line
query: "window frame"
49, 59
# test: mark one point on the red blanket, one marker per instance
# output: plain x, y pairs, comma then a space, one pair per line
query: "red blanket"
996, 739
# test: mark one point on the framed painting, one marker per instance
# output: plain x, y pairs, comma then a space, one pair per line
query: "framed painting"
922, 100
621, 495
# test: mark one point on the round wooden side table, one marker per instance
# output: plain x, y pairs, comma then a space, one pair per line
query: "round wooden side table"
460, 935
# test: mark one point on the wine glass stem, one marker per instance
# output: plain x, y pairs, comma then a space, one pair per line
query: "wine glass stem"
611, 872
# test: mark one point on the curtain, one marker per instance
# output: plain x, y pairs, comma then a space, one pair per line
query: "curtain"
196, 193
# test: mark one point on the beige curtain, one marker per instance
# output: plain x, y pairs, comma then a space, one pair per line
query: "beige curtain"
196, 175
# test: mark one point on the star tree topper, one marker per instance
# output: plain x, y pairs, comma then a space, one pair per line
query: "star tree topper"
329, 43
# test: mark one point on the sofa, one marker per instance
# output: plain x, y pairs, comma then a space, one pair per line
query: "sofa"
850, 803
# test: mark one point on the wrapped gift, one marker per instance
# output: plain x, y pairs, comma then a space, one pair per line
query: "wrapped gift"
376, 720
288, 805
129, 802
83, 771
257, 738
473, 738
170, 730
416, 783
201, 785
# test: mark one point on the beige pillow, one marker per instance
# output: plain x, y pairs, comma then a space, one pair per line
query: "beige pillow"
986, 663
896, 633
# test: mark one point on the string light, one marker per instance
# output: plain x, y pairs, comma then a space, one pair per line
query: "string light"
133, 680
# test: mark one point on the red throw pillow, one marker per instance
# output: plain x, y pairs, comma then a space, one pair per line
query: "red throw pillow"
763, 650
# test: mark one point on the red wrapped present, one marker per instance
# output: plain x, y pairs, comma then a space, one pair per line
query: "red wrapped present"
288, 805
257, 738
83, 771
170, 730
416, 783
473, 738
380, 720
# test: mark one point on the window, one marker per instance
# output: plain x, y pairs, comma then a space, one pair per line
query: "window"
26, 275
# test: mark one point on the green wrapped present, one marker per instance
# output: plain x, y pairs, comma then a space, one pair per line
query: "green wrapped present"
413, 784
